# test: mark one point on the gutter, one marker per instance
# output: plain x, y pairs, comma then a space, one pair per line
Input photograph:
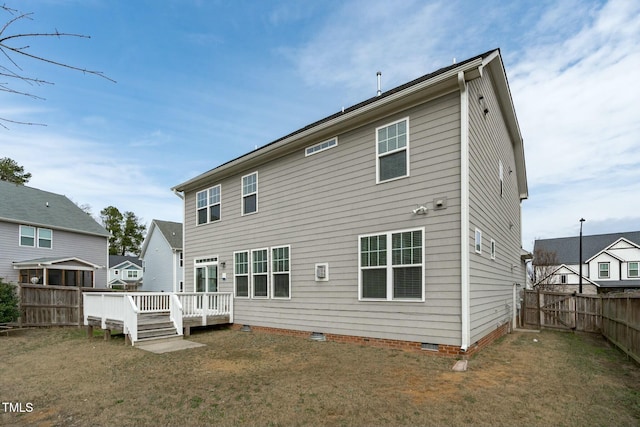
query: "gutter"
464, 214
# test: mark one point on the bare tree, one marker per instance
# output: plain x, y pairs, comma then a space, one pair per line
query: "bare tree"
15, 46
544, 264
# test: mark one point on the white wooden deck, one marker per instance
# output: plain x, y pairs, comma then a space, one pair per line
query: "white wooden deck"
133, 312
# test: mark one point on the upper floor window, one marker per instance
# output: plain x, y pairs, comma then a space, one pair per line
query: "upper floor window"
392, 266
132, 274
493, 249
392, 148
603, 270
208, 205
478, 241
501, 176
250, 193
36, 237
633, 269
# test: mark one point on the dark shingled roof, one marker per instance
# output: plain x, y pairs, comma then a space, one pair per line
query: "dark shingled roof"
567, 248
30, 206
172, 231
119, 259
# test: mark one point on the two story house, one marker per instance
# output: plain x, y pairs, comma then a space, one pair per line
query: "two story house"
394, 221
161, 255
611, 263
46, 239
125, 272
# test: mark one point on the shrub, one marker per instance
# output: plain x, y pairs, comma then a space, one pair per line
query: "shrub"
9, 311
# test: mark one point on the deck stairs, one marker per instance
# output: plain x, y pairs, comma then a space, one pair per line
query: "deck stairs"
154, 327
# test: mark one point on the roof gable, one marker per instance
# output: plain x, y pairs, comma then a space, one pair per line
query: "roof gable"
567, 248
27, 205
170, 231
116, 260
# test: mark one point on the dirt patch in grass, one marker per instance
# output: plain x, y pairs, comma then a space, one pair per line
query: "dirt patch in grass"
255, 378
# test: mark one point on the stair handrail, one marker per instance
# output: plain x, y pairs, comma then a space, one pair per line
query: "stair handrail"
175, 308
130, 324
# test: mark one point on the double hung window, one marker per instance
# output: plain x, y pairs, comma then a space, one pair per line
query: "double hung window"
36, 237
392, 266
603, 270
260, 273
281, 272
241, 273
208, 205
250, 193
392, 147
633, 269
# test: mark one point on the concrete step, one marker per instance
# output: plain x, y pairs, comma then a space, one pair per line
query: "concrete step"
157, 340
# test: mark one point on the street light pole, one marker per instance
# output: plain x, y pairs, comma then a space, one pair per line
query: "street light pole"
580, 260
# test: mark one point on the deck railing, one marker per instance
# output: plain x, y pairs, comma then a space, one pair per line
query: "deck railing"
126, 307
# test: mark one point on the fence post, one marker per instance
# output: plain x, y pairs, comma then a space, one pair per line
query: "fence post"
539, 316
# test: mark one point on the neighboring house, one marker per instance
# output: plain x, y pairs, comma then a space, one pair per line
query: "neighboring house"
162, 257
125, 272
611, 263
46, 239
396, 219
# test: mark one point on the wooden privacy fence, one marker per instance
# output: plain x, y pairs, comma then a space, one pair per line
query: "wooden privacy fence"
621, 322
51, 305
616, 316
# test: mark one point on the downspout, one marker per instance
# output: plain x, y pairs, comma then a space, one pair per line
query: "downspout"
464, 214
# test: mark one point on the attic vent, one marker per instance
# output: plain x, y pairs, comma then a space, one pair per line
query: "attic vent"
429, 346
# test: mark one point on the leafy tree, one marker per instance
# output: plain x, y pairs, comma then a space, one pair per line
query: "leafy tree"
9, 311
12, 172
15, 46
127, 231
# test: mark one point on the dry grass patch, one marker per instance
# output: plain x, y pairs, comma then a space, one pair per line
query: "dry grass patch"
261, 379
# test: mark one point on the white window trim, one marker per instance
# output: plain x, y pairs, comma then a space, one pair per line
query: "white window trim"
252, 274
248, 275
405, 148
389, 267
629, 269
493, 249
249, 194
36, 237
477, 241
205, 262
608, 270
209, 205
274, 273
317, 148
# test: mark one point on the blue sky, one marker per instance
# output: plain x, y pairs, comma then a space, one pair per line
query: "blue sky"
201, 82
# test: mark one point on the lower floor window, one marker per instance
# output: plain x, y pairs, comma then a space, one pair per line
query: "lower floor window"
392, 266
55, 277
281, 274
633, 269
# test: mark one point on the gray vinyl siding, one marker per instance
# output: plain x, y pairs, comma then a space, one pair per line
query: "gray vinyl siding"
158, 265
491, 281
65, 244
320, 204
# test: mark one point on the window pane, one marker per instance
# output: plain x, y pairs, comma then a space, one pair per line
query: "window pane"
200, 279
249, 184
214, 195
201, 199
260, 285
374, 283
250, 204
214, 213
242, 264
202, 216
407, 282
393, 165
281, 285
27, 236
242, 286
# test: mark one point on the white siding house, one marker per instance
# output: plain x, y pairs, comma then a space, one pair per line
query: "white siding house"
46, 239
125, 272
161, 255
396, 220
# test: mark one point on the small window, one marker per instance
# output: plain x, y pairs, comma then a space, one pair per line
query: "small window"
563, 279
260, 273
281, 272
132, 274
250, 193
493, 249
633, 269
603, 270
181, 259
321, 147
478, 241
27, 235
241, 273
208, 205
392, 148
